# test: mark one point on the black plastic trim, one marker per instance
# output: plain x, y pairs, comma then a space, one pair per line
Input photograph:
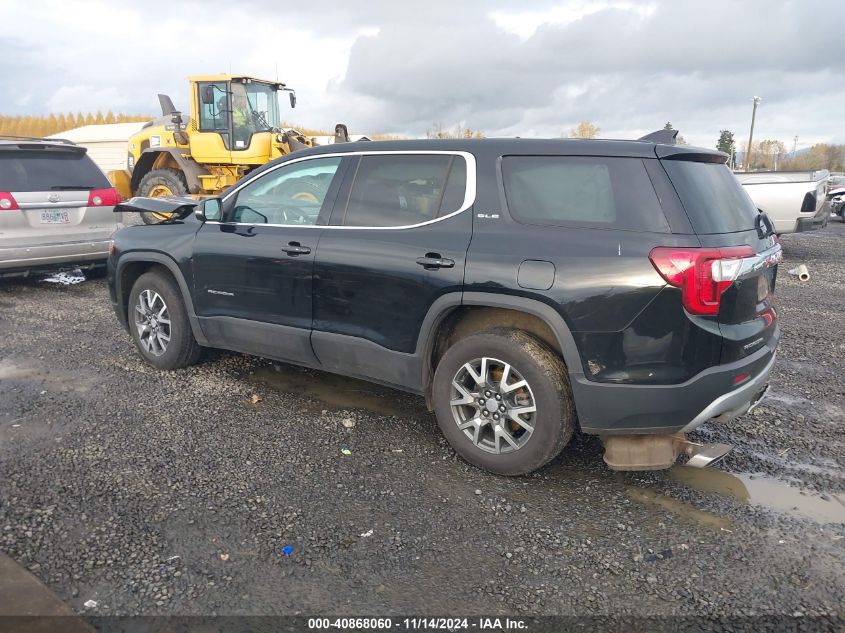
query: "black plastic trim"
607, 408
158, 258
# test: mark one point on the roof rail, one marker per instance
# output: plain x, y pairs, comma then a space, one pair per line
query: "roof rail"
665, 137
12, 137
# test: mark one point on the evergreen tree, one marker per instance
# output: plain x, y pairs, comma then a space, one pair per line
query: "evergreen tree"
726, 142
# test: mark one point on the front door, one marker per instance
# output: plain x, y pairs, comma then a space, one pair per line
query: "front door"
397, 242
253, 271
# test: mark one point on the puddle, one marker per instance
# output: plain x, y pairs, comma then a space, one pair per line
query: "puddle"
763, 491
337, 391
680, 508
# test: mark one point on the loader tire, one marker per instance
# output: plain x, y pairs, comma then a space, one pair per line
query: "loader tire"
159, 183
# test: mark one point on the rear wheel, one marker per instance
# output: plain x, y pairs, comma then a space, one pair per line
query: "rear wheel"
160, 183
503, 400
159, 322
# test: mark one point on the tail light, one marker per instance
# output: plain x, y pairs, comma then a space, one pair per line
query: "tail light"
103, 198
7, 201
702, 274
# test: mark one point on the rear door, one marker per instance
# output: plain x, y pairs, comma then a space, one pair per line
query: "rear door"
723, 215
48, 188
397, 242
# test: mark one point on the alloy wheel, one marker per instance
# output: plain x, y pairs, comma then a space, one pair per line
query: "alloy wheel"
492, 403
152, 320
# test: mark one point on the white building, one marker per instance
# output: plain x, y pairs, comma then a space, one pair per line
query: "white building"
107, 144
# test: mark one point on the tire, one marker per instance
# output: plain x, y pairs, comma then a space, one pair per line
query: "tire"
182, 349
544, 372
159, 183
304, 188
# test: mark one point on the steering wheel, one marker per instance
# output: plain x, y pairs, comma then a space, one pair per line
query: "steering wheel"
259, 119
292, 215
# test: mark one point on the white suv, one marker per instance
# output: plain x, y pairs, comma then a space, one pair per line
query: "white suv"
56, 208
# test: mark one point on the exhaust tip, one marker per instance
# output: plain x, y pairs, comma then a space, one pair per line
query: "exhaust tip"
704, 455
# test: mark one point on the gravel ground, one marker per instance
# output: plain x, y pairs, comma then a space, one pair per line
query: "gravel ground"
176, 493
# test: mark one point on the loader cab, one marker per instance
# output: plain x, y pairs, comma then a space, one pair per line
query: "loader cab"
236, 118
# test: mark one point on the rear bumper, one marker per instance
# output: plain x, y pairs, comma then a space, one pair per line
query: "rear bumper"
607, 409
814, 222
31, 258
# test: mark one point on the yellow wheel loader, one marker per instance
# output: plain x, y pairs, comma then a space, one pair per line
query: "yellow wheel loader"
234, 126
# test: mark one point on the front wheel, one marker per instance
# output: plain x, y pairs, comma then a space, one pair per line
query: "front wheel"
159, 322
503, 400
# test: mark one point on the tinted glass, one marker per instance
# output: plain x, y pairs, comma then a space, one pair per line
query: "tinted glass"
400, 190
714, 200
46, 170
456, 187
287, 195
582, 191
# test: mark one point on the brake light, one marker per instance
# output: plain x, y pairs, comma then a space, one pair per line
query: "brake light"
103, 198
7, 201
702, 274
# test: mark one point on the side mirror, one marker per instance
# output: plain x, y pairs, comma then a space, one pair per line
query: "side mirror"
210, 210
292, 96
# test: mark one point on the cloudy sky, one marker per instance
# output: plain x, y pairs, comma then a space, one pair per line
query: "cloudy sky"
502, 66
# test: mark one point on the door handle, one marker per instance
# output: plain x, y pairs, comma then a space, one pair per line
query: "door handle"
295, 248
433, 261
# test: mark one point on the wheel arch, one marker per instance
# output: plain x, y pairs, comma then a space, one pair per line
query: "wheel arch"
134, 264
454, 316
168, 158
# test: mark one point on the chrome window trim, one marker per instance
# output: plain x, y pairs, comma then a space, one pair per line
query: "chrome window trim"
469, 195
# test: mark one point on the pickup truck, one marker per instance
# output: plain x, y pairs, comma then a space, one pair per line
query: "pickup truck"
793, 200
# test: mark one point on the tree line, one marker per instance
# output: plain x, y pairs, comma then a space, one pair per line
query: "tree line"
772, 154
38, 126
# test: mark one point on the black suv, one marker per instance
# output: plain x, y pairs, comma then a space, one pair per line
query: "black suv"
521, 286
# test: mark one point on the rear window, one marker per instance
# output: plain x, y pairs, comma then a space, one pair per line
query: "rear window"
48, 170
582, 191
713, 198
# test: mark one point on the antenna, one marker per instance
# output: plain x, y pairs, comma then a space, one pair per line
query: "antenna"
277, 72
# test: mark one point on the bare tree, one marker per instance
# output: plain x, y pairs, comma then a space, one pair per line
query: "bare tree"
459, 131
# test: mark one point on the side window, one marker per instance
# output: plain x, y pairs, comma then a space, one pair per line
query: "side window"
405, 189
293, 194
586, 191
214, 107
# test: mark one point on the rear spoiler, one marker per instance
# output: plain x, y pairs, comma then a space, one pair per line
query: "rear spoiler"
177, 205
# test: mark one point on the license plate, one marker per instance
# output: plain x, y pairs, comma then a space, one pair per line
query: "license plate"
55, 217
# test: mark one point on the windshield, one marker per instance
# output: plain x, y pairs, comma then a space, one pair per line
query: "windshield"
260, 102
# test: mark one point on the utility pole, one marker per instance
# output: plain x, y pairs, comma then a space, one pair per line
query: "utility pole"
757, 101
794, 145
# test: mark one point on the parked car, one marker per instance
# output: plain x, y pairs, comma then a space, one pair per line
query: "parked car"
836, 195
794, 200
522, 286
56, 208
